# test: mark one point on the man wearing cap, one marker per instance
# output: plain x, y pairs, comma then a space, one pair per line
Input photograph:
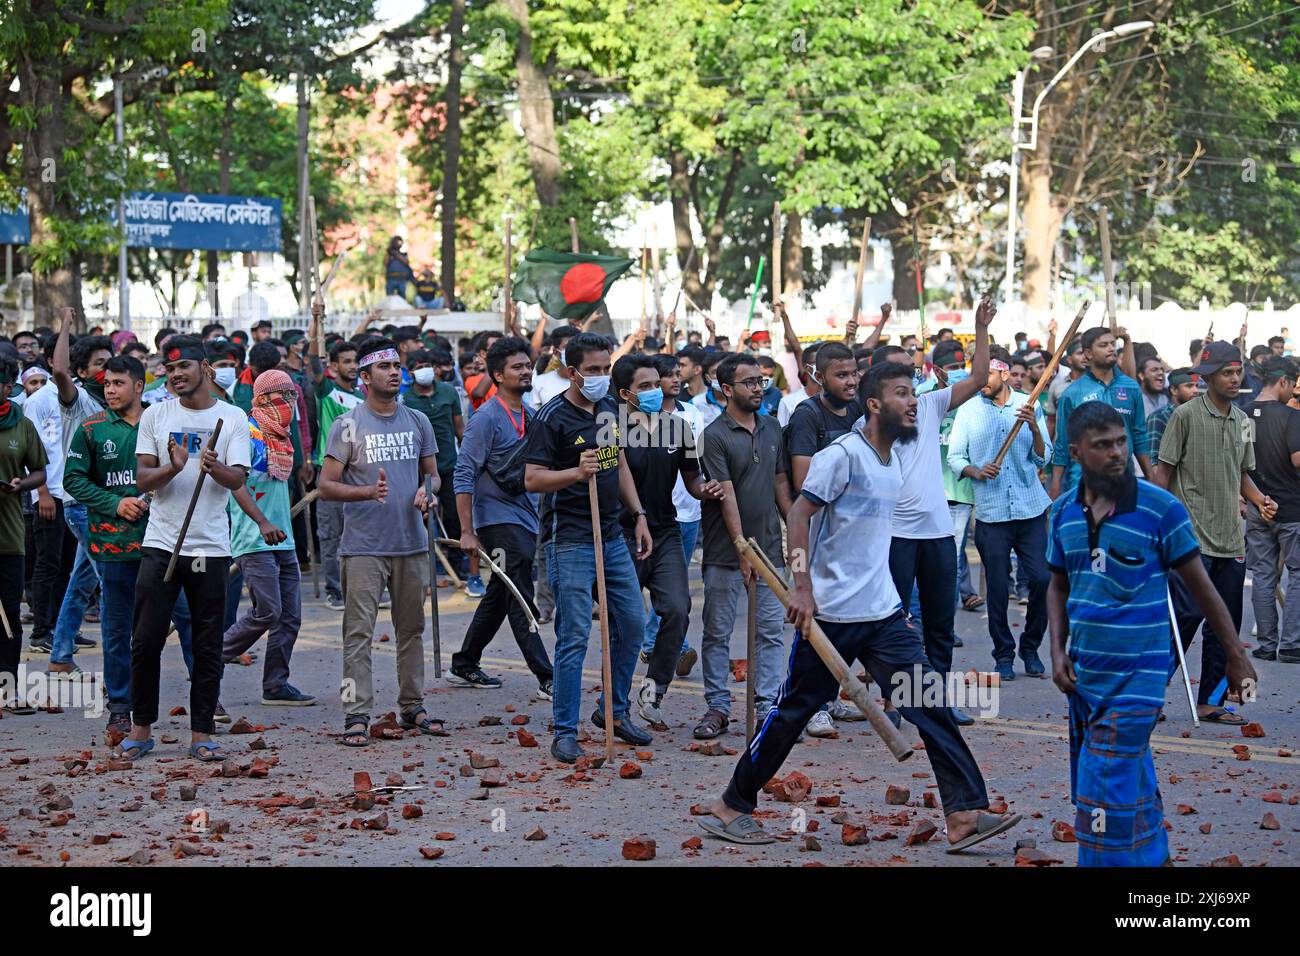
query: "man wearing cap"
1183, 387
1100, 382
261, 330
1206, 456
1271, 544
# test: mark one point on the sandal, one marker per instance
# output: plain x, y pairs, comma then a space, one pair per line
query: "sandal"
1221, 715
973, 602
741, 830
355, 738
133, 750
986, 825
19, 710
424, 724
713, 724
209, 751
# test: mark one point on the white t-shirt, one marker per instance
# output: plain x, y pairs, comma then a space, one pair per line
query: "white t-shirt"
209, 530
923, 510
545, 387
788, 404
708, 411
851, 582
57, 423
688, 507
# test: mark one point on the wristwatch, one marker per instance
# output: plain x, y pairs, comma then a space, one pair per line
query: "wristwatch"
638, 514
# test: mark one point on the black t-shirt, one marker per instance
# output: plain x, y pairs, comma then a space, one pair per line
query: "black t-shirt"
655, 459
557, 436
813, 426
1277, 435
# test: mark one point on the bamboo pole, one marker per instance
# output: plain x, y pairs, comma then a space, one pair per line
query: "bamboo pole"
507, 292
776, 253
862, 271
194, 500
1108, 269
606, 671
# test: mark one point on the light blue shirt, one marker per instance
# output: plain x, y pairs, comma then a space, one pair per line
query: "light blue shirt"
978, 431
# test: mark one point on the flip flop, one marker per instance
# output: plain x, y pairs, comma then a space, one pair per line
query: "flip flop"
741, 830
973, 603
1221, 715
134, 749
209, 751
986, 825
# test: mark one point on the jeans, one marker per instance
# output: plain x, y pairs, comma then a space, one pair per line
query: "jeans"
930, 565
723, 588
995, 541
690, 531
1228, 575
329, 528
395, 287
48, 578
11, 596
664, 574
572, 572
204, 584
887, 649
81, 588
1268, 545
960, 514
543, 598
274, 590
516, 544
234, 591
117, 588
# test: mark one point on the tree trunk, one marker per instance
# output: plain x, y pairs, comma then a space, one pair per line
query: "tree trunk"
792, 259
1042, 227
53, 287
536, 110
686, 204
904, 286
451, 152
223, 187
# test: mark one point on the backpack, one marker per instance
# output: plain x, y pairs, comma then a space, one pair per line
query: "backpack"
823, 438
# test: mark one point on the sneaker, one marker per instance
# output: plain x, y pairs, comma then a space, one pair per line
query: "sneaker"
334, 602
963, 719
820, 725
220, 715
645, 657
26, 616
472, 677
1288, 657
385, 601
288, 696
474, 587
845, 710
1260, 654
1006, 672
958, 642
1034, 667
85, 641
647, 702
41, 644
92, 614
545, 690
74, 673
545, 617
686, 662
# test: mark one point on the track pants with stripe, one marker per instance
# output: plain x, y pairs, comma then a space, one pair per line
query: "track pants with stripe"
886, 647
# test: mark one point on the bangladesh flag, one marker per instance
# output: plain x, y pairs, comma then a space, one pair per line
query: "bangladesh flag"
567, 285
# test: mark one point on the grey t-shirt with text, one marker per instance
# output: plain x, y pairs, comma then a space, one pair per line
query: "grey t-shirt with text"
366, 442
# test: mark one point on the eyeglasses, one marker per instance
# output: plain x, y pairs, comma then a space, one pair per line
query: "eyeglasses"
750, 382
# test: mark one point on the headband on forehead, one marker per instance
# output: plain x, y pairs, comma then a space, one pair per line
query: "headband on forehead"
33, 372
184, 353
997, 365
383, 355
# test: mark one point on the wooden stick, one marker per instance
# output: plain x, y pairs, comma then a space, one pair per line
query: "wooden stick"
920, 288
1108, 268
751, 642
194, 500
645, 278
304, 501
434, 629
506, 291
4, 619
862, 271
606, 672
311, 550
856, 690
1043, 381
573, 246
654, 270
776, 253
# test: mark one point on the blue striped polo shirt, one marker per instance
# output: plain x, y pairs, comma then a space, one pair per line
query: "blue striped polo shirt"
1118, 571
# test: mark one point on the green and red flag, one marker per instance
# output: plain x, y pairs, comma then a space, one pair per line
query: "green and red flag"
567, 285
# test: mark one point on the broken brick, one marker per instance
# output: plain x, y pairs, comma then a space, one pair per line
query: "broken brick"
519, 719
1206, 827
739, 670
1269, 822
692, 843
897, 796
630, 770
241, 726
386, 728
490, 778
394, 780
481, 761
640, 849
525, 739
1030, 856
998, 806
1273, 796
1185, 809
361, 782
1252, 730
853, 835
832, 800
1063, 832
810, 844
257, 743
259, 768
411, 811
176, 712
929, 801
535, 834
491, 720
1230, 860
431, 852
444, 836
921, 833
188, 791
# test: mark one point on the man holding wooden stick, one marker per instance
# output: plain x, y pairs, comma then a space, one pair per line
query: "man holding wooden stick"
172, 456
848, 498
574, 440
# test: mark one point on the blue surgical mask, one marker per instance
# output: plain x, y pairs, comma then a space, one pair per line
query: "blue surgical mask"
651, 401
225, 376
594, 387
958, 375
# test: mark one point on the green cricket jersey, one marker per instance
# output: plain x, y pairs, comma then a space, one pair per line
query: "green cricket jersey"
333, 402
100, 472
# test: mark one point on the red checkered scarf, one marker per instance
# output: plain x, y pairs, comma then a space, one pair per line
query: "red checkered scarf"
273, 413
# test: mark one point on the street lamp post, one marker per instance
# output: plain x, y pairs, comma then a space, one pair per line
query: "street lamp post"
1120, 32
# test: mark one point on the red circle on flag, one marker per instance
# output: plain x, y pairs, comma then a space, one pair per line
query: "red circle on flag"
584, 282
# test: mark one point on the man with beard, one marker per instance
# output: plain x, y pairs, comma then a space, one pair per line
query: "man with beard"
1151, 376
1183, 387
379, 448
336, 395
1100, 382
71, 403
1009, 507
171, 453
502, 523
1112, 546
1206, 457
848, 498
660, 452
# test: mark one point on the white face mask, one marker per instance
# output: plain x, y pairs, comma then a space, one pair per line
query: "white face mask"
225, 376
423, 376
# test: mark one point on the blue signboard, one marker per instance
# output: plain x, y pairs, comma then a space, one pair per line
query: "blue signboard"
15, 230
189, 221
